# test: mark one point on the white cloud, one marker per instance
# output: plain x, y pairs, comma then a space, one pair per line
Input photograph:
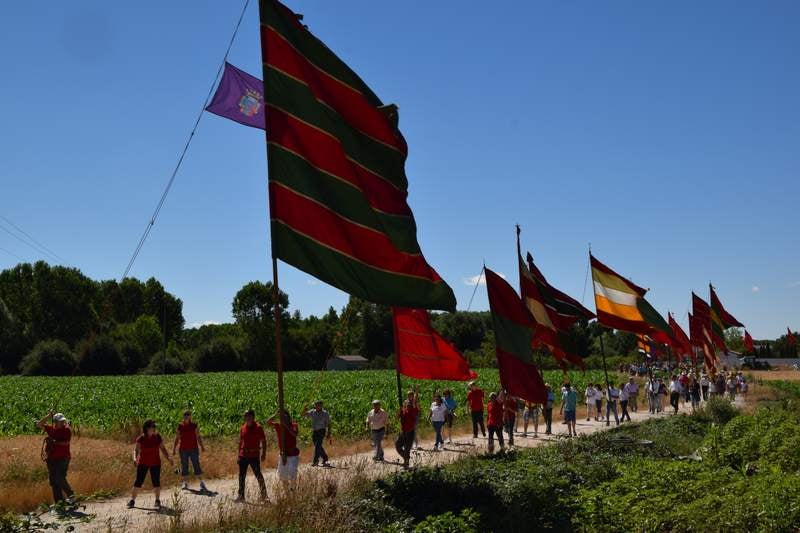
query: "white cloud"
195, 325
755, 288
473, 280
312, 281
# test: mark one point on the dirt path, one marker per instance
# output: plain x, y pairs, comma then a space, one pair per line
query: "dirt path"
194, 507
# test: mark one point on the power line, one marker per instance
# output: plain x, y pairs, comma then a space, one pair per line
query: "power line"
24, 241
151, 222
33, 240
9, 252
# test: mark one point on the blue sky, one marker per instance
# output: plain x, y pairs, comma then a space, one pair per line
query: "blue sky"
666, 134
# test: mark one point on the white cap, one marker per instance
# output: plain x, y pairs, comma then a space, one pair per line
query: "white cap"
375, 401
59, 417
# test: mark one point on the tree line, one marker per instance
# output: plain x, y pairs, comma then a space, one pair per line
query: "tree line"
54, 320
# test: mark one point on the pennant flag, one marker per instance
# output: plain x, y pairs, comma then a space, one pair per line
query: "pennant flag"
682, 344
239, 97
513, 333
337, 182
790, 338
718, 320
554, 313
421, 352
748, 342
701, 331
727, 319
621, 305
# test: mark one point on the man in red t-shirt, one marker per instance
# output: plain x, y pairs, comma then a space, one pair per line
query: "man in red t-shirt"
187, 436
59, 435
475, 402
509, 415
408, 422
289, 456
252, 450
495, 421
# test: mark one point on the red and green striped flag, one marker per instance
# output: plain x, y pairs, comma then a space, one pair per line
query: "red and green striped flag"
681, 344
513, 333
337, 182
720, 320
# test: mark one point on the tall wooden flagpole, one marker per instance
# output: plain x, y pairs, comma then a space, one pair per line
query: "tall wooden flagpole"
276, 309
397, 361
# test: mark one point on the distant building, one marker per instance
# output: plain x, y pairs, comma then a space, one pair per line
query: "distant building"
347, 362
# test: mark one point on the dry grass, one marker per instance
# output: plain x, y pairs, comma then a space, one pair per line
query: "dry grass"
775, 375
103, 466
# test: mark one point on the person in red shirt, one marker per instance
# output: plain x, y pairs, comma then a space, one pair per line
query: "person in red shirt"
408, 422
252, 450
495, 420
59, 435
289, 456
475, 403
147, 458
509, 415
187, 436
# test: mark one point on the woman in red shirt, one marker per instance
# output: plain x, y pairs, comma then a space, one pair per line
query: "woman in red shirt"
59, 435
187, 436
286, 434
147, 457
495, 420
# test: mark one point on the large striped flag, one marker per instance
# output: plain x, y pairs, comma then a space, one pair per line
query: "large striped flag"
337, 182
700, 330
720, 320
513, 333
748, 343
644, 345
554, 313
682, 344
621, 305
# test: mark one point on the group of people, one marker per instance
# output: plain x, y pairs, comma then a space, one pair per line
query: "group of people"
497, 415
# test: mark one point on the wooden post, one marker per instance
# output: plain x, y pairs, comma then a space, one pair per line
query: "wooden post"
603, 353
397, 363
276, 309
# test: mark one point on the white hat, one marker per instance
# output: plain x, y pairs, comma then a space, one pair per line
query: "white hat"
375, 401
59, 417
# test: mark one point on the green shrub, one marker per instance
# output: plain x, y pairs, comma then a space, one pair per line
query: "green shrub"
49, 358
717, 410
99, 356
465, 522
218, 355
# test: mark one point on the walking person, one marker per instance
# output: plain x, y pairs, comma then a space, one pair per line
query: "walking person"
652, 395
437, 416
548, 409
252, 451
288, 453
320, 430
509, 415
475, 402
450, 417
704, 382
377, 419
612, 397
674, 393
720, 384
408, 422
662, 393
694, 393
531, 415
569, 404
624, 402
189, 443
598, 401
632, 388
589, 398
147, 458
495, 421
57, 454
732, 384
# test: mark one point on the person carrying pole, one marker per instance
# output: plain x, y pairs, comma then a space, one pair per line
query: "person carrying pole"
57, 453
286, 433
408, 422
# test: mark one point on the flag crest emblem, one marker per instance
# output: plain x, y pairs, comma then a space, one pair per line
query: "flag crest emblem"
250, 103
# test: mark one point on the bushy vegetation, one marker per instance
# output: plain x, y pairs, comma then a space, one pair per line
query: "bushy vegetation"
715, 471
108, 403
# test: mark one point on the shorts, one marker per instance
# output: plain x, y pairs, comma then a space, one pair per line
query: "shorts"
569, 416
194, 457
288, 471
141, 473
448, 418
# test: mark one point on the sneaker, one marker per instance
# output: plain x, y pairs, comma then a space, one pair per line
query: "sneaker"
326, 464
314, 464
158, 505
184, 486
239, 499
131, 503
203, 487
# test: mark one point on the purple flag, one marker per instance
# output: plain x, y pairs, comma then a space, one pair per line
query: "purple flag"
239, 97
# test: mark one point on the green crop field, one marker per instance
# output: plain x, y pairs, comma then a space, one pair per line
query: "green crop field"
109, 404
